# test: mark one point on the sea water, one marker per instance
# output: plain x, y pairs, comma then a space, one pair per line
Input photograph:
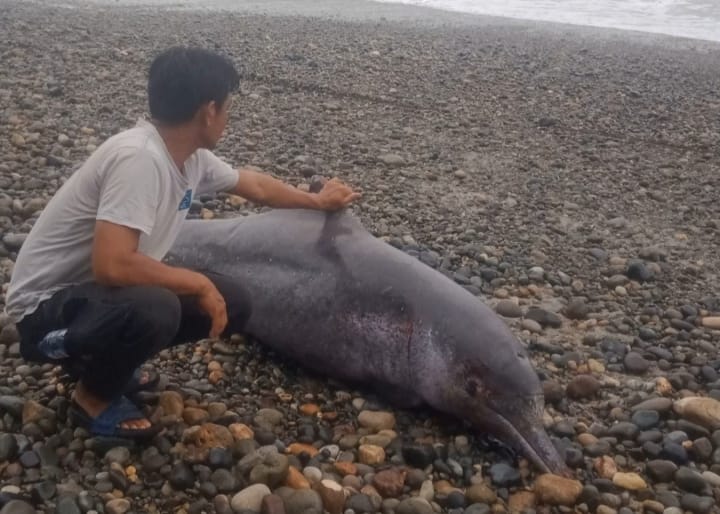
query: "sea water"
697, 19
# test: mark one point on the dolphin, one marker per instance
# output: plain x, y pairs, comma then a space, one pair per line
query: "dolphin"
334, 298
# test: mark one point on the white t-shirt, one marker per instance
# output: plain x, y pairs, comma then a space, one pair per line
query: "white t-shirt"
131, 180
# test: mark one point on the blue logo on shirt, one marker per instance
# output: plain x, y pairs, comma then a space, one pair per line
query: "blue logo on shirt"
186, 201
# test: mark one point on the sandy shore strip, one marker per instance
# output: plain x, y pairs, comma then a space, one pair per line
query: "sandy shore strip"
567, 176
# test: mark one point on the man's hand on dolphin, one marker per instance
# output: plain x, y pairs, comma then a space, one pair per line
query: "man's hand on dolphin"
335, 195
263, 189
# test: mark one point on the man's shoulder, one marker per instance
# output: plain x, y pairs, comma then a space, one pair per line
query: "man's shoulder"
207, 161
131, 144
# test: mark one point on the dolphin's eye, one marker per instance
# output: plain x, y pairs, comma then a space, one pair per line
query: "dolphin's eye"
472, 386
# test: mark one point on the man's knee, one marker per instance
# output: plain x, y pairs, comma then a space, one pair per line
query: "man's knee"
156, 313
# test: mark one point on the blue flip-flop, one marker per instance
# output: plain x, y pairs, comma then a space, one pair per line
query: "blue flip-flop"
107, 423
134, 385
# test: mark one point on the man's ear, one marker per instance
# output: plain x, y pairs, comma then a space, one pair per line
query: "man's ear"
206, 113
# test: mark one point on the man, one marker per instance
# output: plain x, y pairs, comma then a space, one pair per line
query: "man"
89, 289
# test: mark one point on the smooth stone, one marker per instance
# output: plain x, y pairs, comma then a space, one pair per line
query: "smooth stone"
120, 454
8, 447
360, 503
674, 452
508, 309
182, 477
414, 506
701, 410
690, 480
17, 507
583, 386
556, 490
117, 506
220, 458
67, 505
478, 508
661, 470
303, 501
504, 475
654, 404
645, 419
224, 481
419, 456
250, 498
697, 504
636, 363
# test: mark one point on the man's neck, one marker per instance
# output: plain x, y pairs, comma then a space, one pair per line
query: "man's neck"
179, 141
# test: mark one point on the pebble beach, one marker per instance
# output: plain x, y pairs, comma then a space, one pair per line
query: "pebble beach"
566, 176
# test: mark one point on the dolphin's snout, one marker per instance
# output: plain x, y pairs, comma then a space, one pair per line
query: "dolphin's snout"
540, 449
519, 422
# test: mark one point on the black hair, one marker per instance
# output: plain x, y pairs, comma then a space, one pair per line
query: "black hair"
181, 79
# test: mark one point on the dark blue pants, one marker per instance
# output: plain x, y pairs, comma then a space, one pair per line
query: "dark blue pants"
113, 330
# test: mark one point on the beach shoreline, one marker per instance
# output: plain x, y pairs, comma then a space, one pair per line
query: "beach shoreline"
565, 175
394, 12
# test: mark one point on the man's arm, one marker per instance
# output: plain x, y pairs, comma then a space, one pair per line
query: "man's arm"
116, 262
264, 189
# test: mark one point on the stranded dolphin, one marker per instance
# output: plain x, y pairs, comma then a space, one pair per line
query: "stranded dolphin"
328, 294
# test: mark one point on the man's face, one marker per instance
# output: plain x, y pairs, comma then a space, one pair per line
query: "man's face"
216, 118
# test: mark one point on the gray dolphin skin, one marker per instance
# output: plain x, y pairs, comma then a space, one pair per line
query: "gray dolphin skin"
336, 299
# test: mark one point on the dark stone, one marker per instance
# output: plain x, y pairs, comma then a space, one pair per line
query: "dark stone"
674, 452
690, 480
647, 334
208, 490
456, 500
636, 363
574, 457
624, 430
67, 505
220, 458
17, 507
583, 386
360, 503
30, 459
8, 447
119, 480
691, 429
697, 504
182, 477
418, 455
577, 309
264, 437
224, 481
702, 449
654, 436
646, 419
638, 271
661, 470
44, 491
504, 475
667, 498
543, 317
709, 373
